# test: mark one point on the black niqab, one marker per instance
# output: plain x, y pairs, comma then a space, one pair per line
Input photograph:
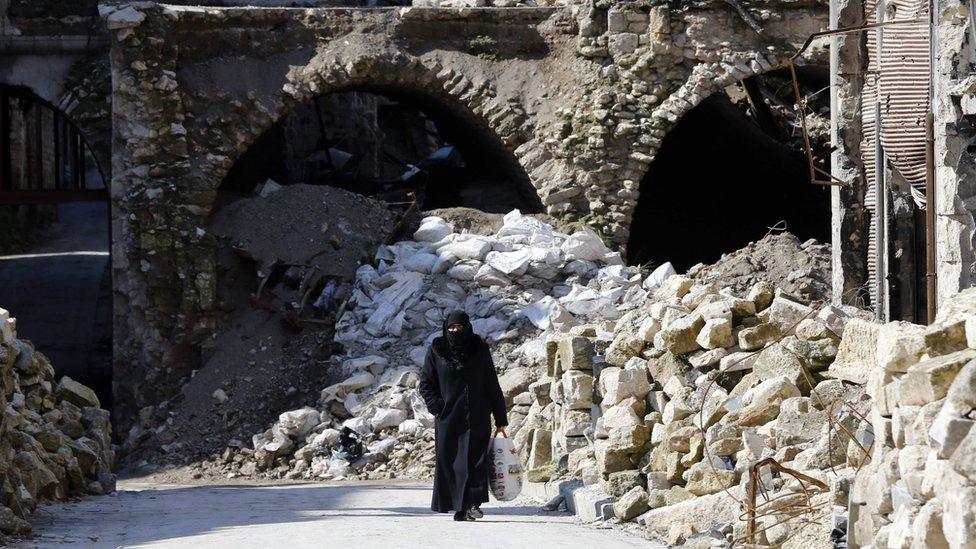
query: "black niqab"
459, 341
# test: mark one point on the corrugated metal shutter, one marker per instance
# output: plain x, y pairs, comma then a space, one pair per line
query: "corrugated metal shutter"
898, 77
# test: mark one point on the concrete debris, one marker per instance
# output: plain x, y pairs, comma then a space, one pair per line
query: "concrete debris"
55, 440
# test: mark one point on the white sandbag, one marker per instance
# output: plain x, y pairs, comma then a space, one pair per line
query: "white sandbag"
432, 229
538, 312
487, 326
519, 228
464, 270
511, 263
505, 479
420, 263
469, 248
585, 244
393, 301
489, 276
658, 276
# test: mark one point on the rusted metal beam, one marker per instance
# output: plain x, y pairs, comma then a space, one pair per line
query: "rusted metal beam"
760, 109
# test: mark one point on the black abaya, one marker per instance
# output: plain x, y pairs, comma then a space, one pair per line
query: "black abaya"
462, 390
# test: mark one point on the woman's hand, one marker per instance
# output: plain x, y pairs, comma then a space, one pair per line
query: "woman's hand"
501, 431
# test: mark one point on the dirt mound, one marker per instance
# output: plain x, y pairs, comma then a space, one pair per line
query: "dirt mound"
477, 221
800, 268
277, 255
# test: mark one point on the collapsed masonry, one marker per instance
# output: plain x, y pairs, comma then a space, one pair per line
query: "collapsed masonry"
651, 399
55, 439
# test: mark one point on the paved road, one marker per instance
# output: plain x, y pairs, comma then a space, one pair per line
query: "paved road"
60, 291
340, 515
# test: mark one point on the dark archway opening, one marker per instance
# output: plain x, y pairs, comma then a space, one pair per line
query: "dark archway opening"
55, 273
719, 182
387, 143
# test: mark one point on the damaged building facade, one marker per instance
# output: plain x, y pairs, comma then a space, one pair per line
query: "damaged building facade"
575, 100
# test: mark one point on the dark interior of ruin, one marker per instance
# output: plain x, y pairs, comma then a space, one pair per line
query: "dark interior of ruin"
719, 182
388, 144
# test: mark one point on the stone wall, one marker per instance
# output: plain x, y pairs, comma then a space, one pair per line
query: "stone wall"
580, 97
954, 107
919, 489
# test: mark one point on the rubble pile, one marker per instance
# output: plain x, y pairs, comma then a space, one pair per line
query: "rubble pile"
524, 278
55, 440
522, 285
919, 489
663, 419
287, 257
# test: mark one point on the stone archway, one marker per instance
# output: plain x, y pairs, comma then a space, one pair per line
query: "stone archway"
475, 121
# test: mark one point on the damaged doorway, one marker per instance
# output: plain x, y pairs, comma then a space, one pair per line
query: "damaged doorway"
387, 144
54, 240
730, 172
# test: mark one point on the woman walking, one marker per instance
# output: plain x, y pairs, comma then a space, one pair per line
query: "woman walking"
459, 384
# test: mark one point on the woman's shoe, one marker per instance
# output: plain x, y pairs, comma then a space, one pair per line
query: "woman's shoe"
475, 512
462, 516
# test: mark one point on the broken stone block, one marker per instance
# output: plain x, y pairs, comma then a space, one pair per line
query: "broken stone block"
631, 504
628, 439
578, 390
959, 516
623, 347
610, 459
776, 361
927, 531
666, 366
815, 329
944, 338
857, 353
756, 337
929, 380
540, 391
515, 381
798, 422
708, 359
900, 345
716, 334
738, 361
963, 460
620, 482
76, 393
617, 384
817, 355
540, 453
575, 353
761, 294
674, 287
786, 314
574, 422
680, 337
704, 479
962, 392
620, 417
648, 329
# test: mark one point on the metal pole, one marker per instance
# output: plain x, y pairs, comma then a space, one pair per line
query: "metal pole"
930, 272
880, 272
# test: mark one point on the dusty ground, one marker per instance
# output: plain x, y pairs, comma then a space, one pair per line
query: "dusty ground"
360, 515
261, 364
